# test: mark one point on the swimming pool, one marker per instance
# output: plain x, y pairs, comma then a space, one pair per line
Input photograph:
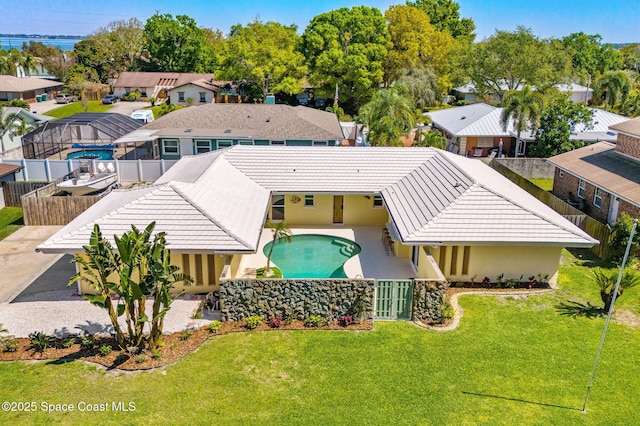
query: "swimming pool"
313, 256
98, 154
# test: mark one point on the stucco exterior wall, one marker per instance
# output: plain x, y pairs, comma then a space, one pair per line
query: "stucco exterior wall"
357, 210
490, 261
191, 91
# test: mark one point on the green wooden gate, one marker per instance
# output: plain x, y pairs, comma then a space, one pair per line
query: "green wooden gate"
394, 299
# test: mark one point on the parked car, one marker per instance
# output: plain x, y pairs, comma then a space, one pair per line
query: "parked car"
144, 115
109, 99
63, 98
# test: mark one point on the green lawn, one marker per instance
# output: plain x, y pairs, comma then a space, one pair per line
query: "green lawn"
512, 361
76, 108
544, 183
10, 221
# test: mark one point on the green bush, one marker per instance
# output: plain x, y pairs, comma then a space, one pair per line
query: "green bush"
166, 109
155, 354
314, 321
186, 334
447, 310
10, 345
253, 321
215, 326
621, 231
105, 350
68, 342
131, 96
88, 342
40, 341
141, 358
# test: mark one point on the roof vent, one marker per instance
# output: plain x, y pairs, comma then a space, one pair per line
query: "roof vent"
227, 131
463, 117
457, 184
248, 115
188, 130
268, 119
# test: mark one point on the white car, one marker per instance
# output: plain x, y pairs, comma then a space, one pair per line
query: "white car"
63, 98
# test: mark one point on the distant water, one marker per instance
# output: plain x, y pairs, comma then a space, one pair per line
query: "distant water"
16, 42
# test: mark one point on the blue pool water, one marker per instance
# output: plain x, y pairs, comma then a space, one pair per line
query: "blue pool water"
313, 256
98, 154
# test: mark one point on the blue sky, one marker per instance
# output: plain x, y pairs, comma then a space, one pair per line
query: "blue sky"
616, 20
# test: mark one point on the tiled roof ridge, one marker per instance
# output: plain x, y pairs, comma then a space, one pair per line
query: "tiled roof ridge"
176, 187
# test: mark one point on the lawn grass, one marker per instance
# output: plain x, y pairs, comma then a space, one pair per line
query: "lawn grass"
76, 108
10, 221
544, 183
512, 361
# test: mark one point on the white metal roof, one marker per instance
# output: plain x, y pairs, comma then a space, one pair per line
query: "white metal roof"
217, 202
470, 120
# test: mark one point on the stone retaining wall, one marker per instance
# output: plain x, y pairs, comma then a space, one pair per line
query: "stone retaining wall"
428, 297
297, 298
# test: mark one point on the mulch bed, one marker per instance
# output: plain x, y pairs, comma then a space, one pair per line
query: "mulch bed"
175, 346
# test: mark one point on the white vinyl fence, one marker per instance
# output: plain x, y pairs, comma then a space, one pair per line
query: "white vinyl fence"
128, 170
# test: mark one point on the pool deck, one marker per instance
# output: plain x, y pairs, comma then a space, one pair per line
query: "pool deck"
372, 262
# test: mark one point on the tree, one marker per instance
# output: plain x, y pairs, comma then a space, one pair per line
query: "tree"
266, 53
589, 57
347, 47
631, 56
51, 57
415, 43
445, 16
175, 45
606, 281
620, 236
422, 86
389, 115
523, 109
611, 88
509, 60
557, 121
432, 138
139, 267
8, 124
281, 233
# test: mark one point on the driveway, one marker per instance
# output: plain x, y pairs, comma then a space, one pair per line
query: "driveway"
126, 108
34, 295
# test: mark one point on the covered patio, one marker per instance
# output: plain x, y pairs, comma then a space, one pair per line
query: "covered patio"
372, 262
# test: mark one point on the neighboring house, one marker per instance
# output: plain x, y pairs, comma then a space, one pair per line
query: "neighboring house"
476, 130
7, 174
25, 121
37, 70
209, 127
473, 130
447, 215
154, 84
576, 92
603, 179
198, 92
26, 88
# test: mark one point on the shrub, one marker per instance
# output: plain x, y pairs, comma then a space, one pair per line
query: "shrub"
141, 358
186, 334
198, 313
275, 322
155, 354
253, 321
511, 283
345, 321
447, 310
153, 101
68, 342
105, 350
40, 341
10, 345
215, 326
314, 321
131, 96
621, 231
166, 109
88, 342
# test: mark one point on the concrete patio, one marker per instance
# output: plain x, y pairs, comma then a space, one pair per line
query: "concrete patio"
372, 262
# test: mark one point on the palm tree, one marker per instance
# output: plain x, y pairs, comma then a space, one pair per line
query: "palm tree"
606, 281
523, 108
612, 86
389, 115
432, 138
8, 124
281, 233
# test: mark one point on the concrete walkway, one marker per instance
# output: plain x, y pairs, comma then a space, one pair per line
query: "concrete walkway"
34, 295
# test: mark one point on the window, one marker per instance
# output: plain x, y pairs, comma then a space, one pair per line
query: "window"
277, 207
560, 174
170, 147
180, 96
224, 144
277, 142
319, 143
143, 92
377, 201
127, 90
308, 201
484, 142
202, 146
581, 188
597, 198
203, 97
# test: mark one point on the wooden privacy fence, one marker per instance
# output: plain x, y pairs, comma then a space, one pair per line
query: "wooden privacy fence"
13, 191
40, 208
591, 226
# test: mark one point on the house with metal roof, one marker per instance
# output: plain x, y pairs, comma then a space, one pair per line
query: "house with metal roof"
209, 127
603, 179
443, 214
575, 92
26, 89
154, 84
